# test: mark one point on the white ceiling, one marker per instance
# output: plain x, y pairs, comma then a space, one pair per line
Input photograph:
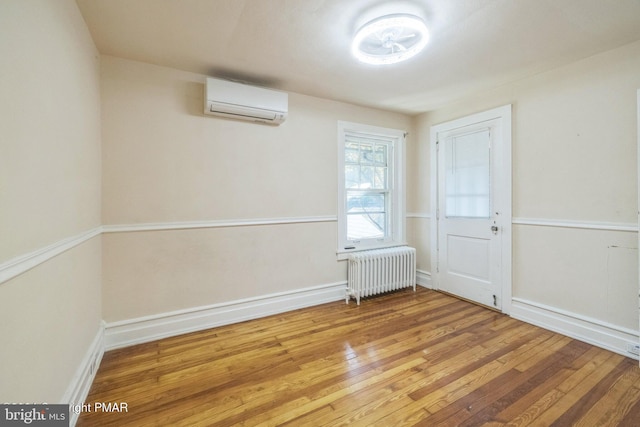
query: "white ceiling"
304, 45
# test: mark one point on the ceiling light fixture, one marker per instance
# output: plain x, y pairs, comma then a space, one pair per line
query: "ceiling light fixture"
390, 39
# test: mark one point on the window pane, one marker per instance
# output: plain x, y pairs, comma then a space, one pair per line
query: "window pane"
366, 226
366, 215
352, 176
381, 155
467, 183
365, 202
366, 154
366, 177
380, 178
372, 157
351, 152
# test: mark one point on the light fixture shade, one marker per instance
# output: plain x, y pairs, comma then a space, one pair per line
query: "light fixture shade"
390, 39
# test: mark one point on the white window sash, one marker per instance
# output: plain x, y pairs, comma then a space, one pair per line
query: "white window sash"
394, 189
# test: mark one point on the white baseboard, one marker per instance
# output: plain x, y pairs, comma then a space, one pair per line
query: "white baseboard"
80, 385
589, 330
423, 278
150, 328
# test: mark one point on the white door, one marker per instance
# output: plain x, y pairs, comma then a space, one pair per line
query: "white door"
471, 217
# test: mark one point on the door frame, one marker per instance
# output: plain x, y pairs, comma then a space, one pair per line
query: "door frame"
503, 185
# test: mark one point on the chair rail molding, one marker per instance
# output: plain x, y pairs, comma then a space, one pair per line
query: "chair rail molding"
587, 225
18, 265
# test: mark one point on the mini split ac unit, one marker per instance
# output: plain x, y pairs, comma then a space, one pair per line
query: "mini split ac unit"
244, 102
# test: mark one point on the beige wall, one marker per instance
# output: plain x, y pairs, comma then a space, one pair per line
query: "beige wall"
165, 162
574, 159
418, 193
49, 191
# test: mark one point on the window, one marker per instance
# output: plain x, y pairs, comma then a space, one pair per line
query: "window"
371, 193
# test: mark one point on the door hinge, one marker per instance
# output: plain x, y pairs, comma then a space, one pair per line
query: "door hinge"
495, 301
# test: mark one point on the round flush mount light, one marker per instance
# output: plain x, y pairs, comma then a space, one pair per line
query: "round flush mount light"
390, 39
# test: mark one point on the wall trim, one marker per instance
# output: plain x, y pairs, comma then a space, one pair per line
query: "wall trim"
423, 278
150, 328
23, 263
184, 225
18, 265
590, 225
593, 331
418, 215
80, 384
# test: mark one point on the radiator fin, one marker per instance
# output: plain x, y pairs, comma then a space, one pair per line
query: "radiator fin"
380, 270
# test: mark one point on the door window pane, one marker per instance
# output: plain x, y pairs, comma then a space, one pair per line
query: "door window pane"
467, 175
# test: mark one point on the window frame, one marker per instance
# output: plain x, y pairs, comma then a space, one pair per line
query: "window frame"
396, 209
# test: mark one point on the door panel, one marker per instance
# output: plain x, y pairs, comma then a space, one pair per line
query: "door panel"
469, 257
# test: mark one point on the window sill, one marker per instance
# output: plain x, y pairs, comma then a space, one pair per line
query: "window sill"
343, 254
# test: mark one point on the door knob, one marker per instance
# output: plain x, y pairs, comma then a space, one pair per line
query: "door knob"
494, 228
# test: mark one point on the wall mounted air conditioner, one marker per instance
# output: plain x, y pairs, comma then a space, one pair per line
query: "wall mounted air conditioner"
244, 102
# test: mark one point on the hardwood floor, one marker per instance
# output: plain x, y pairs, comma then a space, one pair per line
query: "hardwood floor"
405, 358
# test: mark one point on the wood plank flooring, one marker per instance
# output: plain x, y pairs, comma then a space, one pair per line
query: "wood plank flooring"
405, 358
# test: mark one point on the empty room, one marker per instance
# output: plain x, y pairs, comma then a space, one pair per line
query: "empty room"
267, 212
